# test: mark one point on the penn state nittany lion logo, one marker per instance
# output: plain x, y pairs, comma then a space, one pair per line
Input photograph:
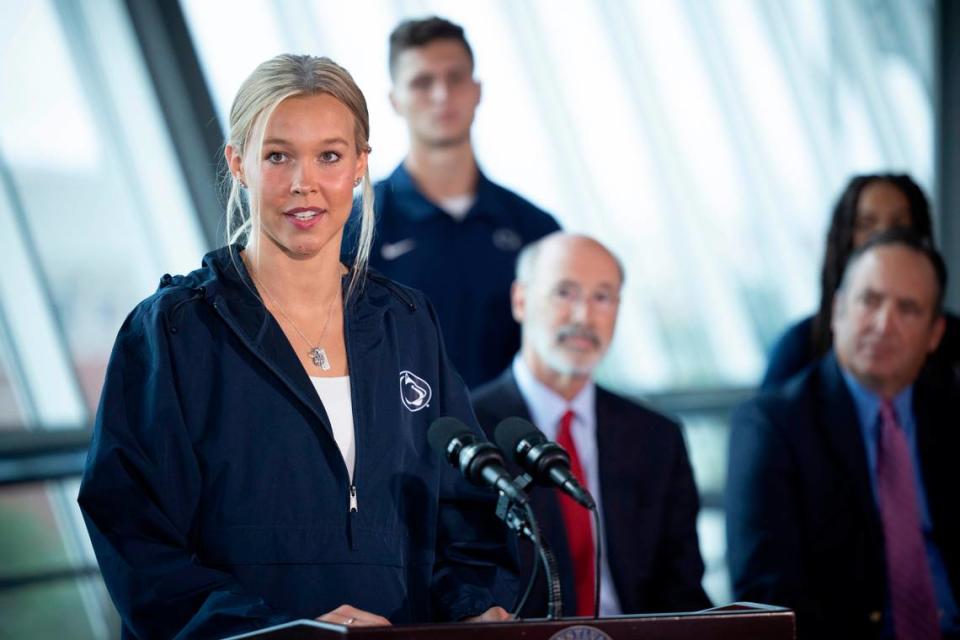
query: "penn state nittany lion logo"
414, 391
580, 632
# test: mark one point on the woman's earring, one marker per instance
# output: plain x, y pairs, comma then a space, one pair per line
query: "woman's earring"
242, 183
356, 183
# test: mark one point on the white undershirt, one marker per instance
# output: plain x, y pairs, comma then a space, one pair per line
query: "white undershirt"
335, 395
458, 206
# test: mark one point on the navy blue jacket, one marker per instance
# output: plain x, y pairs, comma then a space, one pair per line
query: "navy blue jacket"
217, 499
464, 267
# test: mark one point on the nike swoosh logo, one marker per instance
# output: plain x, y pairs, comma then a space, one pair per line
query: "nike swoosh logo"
393, 250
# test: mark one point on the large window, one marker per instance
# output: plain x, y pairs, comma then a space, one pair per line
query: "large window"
92, 212
94, 199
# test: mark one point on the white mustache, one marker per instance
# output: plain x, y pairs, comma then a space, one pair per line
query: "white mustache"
578, 331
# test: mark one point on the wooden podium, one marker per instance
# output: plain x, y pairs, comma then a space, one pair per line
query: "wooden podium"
731, 622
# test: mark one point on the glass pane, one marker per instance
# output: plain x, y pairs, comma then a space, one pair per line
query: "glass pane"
32, 521
50, 610
93, 210
11, 416
86, 211
707, 437
29, 540
712, 532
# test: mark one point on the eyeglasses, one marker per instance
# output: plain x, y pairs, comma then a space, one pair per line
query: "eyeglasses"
566, 295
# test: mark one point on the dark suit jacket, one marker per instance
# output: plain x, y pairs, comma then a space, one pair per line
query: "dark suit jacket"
649, 504
803, 529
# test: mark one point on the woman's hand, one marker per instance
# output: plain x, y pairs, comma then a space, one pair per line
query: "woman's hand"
493, 614
353, 617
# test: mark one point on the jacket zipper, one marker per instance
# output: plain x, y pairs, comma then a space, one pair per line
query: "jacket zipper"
353, 505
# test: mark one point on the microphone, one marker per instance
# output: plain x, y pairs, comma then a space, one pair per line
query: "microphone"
546, 461
478, 460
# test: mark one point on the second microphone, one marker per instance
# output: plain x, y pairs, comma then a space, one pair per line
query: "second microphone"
545, 461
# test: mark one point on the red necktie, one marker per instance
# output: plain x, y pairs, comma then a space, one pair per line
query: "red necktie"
912, 598
577, 522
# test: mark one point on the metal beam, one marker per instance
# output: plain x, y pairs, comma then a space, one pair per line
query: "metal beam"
186, 104
39, 456
948, 142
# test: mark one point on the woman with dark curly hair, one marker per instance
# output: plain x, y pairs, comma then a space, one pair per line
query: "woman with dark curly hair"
870, 204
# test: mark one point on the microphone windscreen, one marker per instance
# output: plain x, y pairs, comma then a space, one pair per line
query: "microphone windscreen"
445, 429
511, 431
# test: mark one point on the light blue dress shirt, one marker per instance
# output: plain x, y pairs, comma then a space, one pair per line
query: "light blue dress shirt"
546, 409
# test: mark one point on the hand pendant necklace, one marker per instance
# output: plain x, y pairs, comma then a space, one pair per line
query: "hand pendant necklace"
317, 353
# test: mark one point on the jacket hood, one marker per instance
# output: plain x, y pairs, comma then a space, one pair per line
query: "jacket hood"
223, 280
226, 267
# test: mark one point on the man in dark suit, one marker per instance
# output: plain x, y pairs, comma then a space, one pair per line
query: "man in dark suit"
841, 493
633, 460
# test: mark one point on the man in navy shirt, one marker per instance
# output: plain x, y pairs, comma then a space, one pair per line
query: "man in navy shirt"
841, 494
443, 227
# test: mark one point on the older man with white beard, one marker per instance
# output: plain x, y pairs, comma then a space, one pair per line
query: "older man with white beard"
633, 460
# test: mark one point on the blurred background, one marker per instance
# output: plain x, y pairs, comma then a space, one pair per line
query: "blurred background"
704, 141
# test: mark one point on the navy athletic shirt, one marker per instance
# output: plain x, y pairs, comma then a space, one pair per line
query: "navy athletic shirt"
464, 267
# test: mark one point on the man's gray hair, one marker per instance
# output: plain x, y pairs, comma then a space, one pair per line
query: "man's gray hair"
527, 259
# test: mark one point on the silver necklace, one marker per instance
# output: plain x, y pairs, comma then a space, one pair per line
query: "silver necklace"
317, 353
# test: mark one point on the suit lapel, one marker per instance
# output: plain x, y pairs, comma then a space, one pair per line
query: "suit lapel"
543, 499
510, 401
841, 430
611, 469
938, 440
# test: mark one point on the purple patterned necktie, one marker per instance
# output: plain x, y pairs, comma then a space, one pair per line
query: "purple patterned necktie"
912, 598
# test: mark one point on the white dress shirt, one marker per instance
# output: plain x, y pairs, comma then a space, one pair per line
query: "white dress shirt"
546, 408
